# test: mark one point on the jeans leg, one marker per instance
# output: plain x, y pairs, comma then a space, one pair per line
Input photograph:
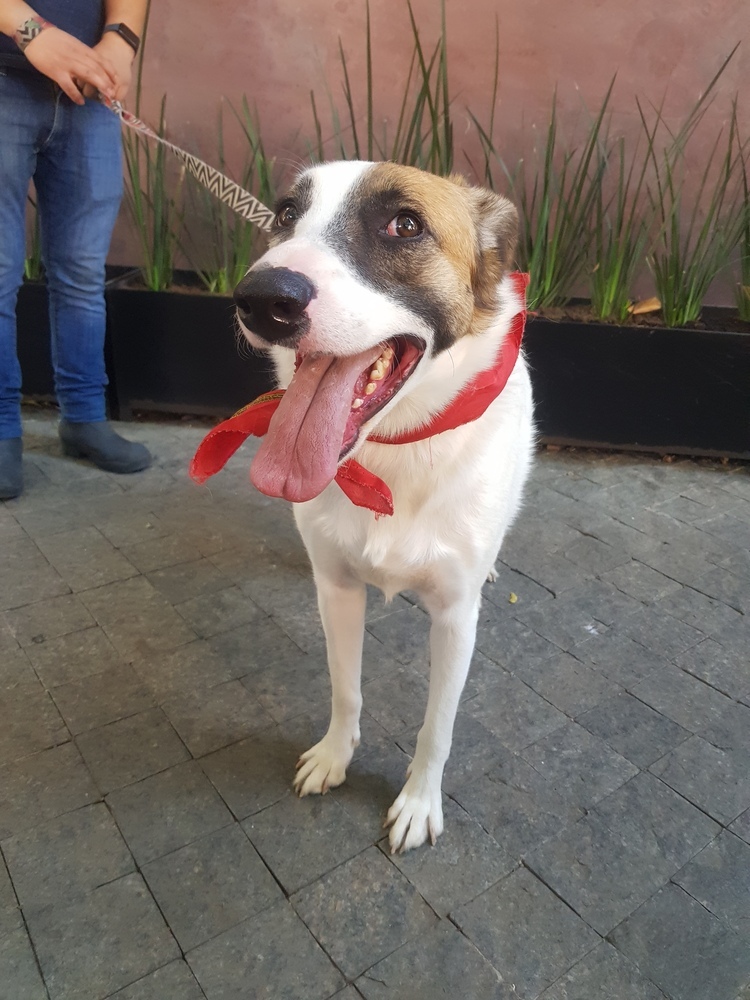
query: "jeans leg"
25, 114
79, 183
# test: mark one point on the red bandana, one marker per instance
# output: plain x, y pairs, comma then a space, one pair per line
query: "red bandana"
362, 487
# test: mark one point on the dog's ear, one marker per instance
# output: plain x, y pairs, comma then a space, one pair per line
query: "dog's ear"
496, 220
496, 224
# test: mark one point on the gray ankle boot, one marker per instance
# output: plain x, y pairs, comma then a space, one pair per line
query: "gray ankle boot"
11, 470
99, 443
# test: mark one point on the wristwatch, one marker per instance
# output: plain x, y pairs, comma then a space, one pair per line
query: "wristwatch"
126, 34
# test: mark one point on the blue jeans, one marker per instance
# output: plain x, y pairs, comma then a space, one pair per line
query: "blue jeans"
74, 156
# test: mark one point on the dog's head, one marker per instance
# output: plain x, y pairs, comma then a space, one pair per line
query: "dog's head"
373, 270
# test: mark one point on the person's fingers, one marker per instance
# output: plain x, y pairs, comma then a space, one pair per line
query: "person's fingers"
68, 86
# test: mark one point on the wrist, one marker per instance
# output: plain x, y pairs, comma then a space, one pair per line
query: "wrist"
126, 35
31, 28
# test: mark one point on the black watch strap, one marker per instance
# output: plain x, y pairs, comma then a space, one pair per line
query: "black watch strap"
125, 33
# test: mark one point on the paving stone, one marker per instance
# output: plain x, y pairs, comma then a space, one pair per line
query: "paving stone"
253, 960
94, 946
719, 878
717, 781
725, 586
372, 783
172, 982
31, 723
595, 555
43, 786
603, 973
363, 911
465, 861
73, 657
21, 978
17, 676
289, 687
159, 553
741, 826
254, 773
640, 581
211, 885
220, 611
722, 669
514, 713
167, 811
397, 701
26, 576
549, 569
621, 658
662, 634
66, 857
568, 684
37, 623
194, 666
509, 642
525, 931
581, 767
131, 749
510, 582
209, 720
84, 558
685, 950
633, 729
704, 613
106, 697
517, 806
696, 707
130, 528
644, 810
10, 914
404, 634
188, 580
302, 839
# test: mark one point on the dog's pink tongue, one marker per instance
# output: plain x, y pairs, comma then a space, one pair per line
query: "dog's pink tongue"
299, 455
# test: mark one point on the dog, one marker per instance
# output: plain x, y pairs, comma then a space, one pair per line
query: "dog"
384, 294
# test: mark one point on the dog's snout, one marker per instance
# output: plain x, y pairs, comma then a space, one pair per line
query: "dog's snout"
272, 301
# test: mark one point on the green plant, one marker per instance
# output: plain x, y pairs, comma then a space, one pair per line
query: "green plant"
33, 269
743, 286
693, 244
557, 201
153, 203
424, 131
221, 257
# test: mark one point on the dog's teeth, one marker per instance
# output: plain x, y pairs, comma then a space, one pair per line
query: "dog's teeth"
357, 403
377, 373
370, 388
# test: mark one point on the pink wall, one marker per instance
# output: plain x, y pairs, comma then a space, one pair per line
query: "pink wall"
276, 52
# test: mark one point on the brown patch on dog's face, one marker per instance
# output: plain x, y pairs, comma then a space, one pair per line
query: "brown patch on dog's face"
434, 244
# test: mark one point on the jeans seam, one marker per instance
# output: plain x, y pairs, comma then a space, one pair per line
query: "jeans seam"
55, 118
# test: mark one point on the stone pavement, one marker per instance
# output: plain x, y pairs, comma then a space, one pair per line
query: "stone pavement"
161, 667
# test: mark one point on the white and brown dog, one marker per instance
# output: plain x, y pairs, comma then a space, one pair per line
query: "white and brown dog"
385, 293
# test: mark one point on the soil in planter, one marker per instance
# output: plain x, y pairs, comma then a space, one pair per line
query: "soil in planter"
711, 318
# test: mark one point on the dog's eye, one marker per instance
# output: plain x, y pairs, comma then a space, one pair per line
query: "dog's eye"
406, 225
287, 215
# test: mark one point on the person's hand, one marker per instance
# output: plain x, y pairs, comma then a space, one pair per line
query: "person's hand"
71, 64
120, 57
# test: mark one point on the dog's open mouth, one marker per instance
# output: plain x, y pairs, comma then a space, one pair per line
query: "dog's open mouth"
319, 418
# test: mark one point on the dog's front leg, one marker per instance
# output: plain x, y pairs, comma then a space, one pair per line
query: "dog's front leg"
342, 610
417, 813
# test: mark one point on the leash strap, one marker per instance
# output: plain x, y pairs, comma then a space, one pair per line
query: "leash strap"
239, 200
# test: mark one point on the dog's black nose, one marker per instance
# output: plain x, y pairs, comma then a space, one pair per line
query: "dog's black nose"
271, 302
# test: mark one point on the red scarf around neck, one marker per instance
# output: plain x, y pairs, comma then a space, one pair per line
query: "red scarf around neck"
362, 487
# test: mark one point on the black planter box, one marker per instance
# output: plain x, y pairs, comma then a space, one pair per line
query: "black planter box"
178, 352
34, 352
683, 391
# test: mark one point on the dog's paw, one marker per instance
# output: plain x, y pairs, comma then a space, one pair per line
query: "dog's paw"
492, 575
322, 767
415, 816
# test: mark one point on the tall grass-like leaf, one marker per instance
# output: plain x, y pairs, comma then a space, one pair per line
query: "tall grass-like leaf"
222, 259
694, 243
33, 269
424, 130
153, 203
743, 209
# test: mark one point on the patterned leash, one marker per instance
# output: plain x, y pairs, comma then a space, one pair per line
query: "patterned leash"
231, 194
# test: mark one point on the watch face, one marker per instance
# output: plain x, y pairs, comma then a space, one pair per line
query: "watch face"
125, 33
